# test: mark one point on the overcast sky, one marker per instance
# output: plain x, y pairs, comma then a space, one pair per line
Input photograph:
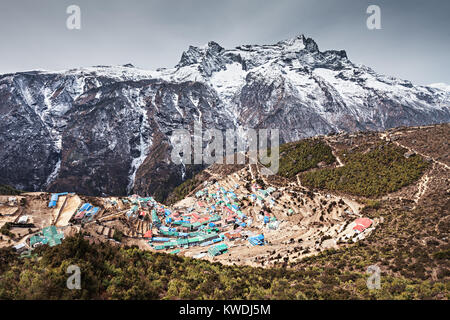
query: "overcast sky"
413, 44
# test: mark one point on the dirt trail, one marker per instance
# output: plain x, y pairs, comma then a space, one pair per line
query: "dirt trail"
258, 172
299, 183
422, 188
425, 180
251, 171
340, 163
384, 136
355, 206
111, 216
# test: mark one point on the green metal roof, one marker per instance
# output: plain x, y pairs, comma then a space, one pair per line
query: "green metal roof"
218, 249
49, 231
197, 224
182, 242
195, 239
35, 239
50, 236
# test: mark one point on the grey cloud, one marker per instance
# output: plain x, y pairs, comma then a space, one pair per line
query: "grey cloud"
413, 44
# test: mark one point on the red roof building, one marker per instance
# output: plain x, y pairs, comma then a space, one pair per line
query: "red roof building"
362, 224
148, 234
232, 236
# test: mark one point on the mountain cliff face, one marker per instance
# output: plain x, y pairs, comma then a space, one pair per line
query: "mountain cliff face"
106, 130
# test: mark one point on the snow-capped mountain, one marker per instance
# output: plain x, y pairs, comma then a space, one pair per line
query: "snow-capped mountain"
105, 130
440, 85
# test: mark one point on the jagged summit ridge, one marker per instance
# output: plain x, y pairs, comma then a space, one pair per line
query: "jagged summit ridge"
298, 43
213, 57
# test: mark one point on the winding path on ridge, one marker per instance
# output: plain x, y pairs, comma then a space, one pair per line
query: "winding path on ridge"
340, 163
422, 188
384, 136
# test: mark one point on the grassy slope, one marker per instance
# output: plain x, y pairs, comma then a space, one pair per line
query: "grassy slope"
408, 247
303, 155
377, 172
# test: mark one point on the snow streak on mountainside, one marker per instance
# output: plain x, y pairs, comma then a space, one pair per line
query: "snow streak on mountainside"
106, 130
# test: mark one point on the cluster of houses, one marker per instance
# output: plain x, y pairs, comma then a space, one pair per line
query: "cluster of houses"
86, 213
177, 229
51, 235
214, 218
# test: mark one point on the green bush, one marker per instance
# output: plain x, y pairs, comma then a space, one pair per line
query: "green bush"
5, 229
442, 255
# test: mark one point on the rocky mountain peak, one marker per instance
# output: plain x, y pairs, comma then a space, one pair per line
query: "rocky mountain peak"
198, 55
191, 56
298, 43
214, 47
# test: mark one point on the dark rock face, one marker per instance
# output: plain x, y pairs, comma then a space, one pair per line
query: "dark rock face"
106, 130
27, 155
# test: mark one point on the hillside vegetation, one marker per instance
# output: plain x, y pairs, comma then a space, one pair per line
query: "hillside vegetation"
8, 190
303, 155
181, 191
110, 272
410, 244
373, 173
